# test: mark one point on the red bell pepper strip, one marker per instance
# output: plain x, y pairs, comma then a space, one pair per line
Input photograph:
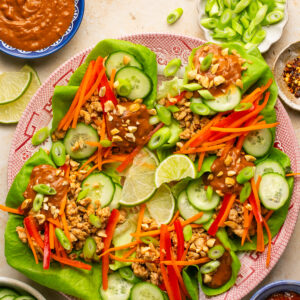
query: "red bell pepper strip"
171, 272
29, 223
178, 99
180, 239
110, 228
132, 155
255, 208
215, 225
109, 94
47, 251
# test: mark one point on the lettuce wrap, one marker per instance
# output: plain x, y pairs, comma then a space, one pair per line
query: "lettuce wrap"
64, 95
76, 282
192, 276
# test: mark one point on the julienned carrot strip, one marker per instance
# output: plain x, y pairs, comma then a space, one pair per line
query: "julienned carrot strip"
63, 205
108, 161
122, 247
292, 174
51, 235
269, 242
140, 220
174, 218
201, 149
54, 222
260, 246
85, 82
65, 225
91, 159
31, 246
72, 263
67, 174
246, 230
246, 223
258, 182
136, 260
253, 96
226, 213
16, 211
268, 215
112, 78
99, 159
226, 149
130, 252
245, 129
192, 219
93, 144
222, 140
268, 84
200, 161
188, 262
255, 193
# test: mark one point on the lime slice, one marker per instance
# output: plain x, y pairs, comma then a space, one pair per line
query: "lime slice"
13, 85
161, 206
139, 184
174, 168
11, 112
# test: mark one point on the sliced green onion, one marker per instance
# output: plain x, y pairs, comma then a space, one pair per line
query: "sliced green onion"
237, 27
206, 95
221, 6
245, 20
196, 100
159, 138
164, 114
89, 248
227, 33
149, 240
174, 15
206, 62
259, 37
245, 192
241, 6
44, 189
127, 274
243, 106
260, 15
253, 9
58, 153
209, 23
225, 17
216, 252
105, 143
274, 16
95, 221
172, 67
227, 3
245, 175
173, 108
248, 34
214, 11
209, 4
63, 240
209, 267
279, 6
187, 232
124, 88
40, 136
154, 120
38, 202
82, 194
200, 109
209, 193
191, 87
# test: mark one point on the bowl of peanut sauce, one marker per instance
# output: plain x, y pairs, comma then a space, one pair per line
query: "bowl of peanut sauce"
36, 28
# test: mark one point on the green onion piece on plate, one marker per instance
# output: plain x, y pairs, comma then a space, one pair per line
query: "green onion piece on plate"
172, 67
174, 15
40, 136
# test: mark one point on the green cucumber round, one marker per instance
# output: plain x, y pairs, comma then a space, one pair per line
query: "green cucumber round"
115, 203
141, 83
268, 166
273, 191
146, 291
81, 134
258, 142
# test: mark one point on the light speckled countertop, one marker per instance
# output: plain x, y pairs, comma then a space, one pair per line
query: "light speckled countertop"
114, 18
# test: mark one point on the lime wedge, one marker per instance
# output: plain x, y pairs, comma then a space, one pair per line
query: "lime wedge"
139, 184
174, 168
13, 85
11, 112
161, 206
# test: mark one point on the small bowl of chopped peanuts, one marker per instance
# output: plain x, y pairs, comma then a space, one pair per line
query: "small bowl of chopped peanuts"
286, 70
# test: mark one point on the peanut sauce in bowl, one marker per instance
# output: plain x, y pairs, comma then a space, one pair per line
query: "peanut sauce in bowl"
34, 24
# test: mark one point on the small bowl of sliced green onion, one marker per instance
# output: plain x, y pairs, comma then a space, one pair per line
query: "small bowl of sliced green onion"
249, 22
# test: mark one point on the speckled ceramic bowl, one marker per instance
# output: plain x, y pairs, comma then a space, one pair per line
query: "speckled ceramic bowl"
21, 287
286, 55
275, 287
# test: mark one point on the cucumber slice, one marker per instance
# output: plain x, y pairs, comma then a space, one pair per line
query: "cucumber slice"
258, 142
115, 203
116, 61
101, 188
81, 134
197, 196
268, 166
227, 101
146, 291
273, 191
140, 82
118, 288
7, 292
187, 210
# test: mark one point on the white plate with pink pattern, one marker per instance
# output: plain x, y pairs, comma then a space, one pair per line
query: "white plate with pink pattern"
38, 114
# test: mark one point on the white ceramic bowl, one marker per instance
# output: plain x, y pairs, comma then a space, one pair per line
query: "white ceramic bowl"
274, 32
20, 286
